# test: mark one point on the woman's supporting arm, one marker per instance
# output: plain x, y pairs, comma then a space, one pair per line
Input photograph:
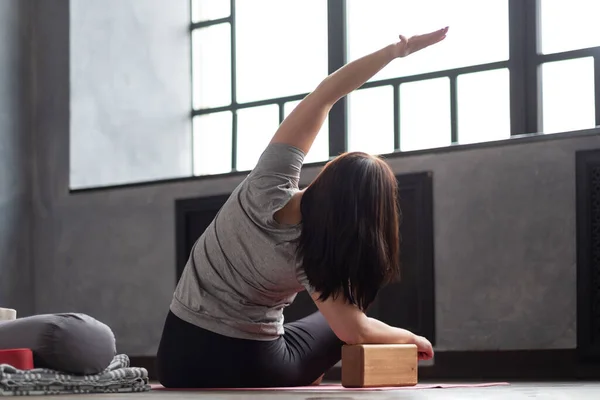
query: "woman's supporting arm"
303, 124
353, 326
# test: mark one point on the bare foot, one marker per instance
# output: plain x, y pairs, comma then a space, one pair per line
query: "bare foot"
318, 381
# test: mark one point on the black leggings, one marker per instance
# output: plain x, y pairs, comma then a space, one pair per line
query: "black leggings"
192, 357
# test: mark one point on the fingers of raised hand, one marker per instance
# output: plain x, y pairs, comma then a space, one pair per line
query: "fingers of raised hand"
419, 42
433, 37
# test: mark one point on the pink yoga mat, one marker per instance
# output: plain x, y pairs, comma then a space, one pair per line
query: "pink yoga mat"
338, 388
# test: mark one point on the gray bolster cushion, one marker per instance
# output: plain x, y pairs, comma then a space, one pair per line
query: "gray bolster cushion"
70, 343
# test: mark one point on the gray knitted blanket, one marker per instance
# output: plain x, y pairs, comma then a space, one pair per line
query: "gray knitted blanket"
119, 377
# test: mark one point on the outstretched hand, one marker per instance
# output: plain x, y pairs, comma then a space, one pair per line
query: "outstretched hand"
415, 43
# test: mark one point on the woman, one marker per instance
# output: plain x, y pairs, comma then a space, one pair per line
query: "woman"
337, 239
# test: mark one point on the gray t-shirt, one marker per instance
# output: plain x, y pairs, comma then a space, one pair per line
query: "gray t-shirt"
243, 271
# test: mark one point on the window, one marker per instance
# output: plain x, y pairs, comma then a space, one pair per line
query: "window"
207, 10
562, 83
255, 127
371, 120
277, 55
568, 25
212, 151
375, 23
249, 72
489, 79
211, 63
483, 106
439, 100
569, 65
425, 120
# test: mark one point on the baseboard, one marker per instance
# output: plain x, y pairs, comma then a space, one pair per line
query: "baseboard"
482, 365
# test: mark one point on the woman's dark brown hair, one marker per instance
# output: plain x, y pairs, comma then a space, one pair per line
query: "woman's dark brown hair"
350, 242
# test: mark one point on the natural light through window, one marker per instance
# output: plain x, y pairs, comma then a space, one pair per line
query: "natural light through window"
233, 69
206, 10
568, 95
256, 127
284, 48
569, 25
478, 32
281, 47
211, 63
425, 114
483, 106
212, 143
371, 120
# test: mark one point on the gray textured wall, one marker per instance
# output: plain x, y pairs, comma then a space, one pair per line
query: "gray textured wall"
504, 223
130, 91
98, 253
504, 249
505, 260
15, 156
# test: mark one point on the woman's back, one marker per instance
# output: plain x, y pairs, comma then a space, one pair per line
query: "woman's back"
242, 271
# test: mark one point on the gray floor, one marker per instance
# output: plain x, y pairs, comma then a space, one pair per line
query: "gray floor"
516, 391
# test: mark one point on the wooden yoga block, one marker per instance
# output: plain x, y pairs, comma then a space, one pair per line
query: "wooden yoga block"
377, 365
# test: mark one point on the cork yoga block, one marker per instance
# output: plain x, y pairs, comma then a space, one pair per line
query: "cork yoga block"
378, 365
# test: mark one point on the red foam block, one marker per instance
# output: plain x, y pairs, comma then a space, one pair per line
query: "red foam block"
19, 358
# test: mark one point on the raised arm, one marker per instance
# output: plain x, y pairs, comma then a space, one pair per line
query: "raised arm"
303, 124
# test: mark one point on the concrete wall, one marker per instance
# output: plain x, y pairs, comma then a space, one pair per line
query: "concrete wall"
15, 155
130, 91
125, 101
505, 250
504, 216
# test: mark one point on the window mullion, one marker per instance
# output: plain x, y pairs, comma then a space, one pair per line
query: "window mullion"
516, 22
192, 77
336, 22
597, 86
525, 79
397, 117
233, 90
453, 109
533, 77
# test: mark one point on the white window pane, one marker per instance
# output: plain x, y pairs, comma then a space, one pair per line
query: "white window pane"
206, 10
255, 129
569, 25
211, 61
212, 143
320, 148
425, 114
483, 106
371, 120
281, 47
568, 95
478, 32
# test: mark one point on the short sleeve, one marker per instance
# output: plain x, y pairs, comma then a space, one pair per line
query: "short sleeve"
303, 280
273, 181
279, 163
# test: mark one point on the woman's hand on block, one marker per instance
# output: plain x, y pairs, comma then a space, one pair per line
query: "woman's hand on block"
424, 348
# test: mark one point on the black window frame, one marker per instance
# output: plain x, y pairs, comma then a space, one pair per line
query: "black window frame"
524, 66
